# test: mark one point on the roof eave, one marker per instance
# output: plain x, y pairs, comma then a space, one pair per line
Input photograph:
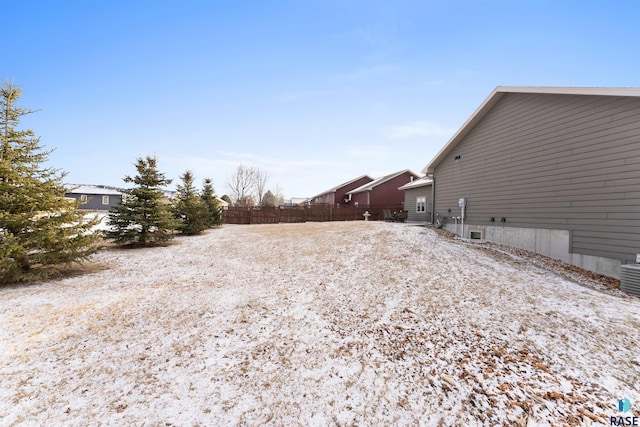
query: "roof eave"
371, 185
557, 90
488, 103
344, 184
410, 185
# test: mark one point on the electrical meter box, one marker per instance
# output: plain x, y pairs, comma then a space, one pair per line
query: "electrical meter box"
462, 203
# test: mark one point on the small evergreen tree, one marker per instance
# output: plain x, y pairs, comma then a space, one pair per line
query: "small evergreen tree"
41, 232
142, 218
208, 196
188, 207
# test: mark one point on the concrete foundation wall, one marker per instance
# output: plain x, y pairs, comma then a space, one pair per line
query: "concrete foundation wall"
552, 243
606, 266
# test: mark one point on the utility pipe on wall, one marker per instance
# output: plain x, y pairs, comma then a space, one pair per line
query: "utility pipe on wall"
462, 202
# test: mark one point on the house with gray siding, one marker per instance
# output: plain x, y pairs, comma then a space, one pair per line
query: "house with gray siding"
418, 199
94, 197
551, 170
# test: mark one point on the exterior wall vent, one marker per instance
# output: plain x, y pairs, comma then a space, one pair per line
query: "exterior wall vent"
630, 278
476, 234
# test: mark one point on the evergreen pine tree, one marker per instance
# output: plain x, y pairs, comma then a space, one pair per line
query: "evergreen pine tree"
41, 232
143, 218
188, 207
208, 197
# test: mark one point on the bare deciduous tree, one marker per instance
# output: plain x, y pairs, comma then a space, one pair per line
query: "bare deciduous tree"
241, 185
278, 195
247, 185
260, 184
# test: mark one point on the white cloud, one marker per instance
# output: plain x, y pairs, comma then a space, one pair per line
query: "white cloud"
418, 128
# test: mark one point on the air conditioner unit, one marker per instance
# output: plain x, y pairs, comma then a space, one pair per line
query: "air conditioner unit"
630, 278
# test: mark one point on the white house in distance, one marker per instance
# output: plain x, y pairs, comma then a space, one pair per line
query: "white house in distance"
549, 169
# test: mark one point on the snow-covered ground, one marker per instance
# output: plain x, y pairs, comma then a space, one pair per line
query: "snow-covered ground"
354, 323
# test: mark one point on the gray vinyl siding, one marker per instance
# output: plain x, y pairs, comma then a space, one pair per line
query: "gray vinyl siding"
410, 203
552, 161
94, 201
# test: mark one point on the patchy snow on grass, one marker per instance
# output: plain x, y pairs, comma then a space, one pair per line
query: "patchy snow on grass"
355, 323
103, 218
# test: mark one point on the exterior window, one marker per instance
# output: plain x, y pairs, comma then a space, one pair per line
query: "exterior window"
105, 200
83, 198
421, 204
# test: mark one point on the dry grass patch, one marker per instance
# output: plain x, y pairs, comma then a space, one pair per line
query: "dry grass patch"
358, 323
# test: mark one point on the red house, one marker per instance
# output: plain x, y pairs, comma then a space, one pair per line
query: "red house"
382, 191
338, 195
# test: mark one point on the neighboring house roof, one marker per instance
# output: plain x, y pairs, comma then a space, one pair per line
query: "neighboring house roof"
416, 183
500, 91
297, 200
92, 189
371, 185
344, 184
222, 202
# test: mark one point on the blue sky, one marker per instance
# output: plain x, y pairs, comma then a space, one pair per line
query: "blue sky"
313, 92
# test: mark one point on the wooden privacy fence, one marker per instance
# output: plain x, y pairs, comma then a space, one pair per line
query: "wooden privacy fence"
312, 213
